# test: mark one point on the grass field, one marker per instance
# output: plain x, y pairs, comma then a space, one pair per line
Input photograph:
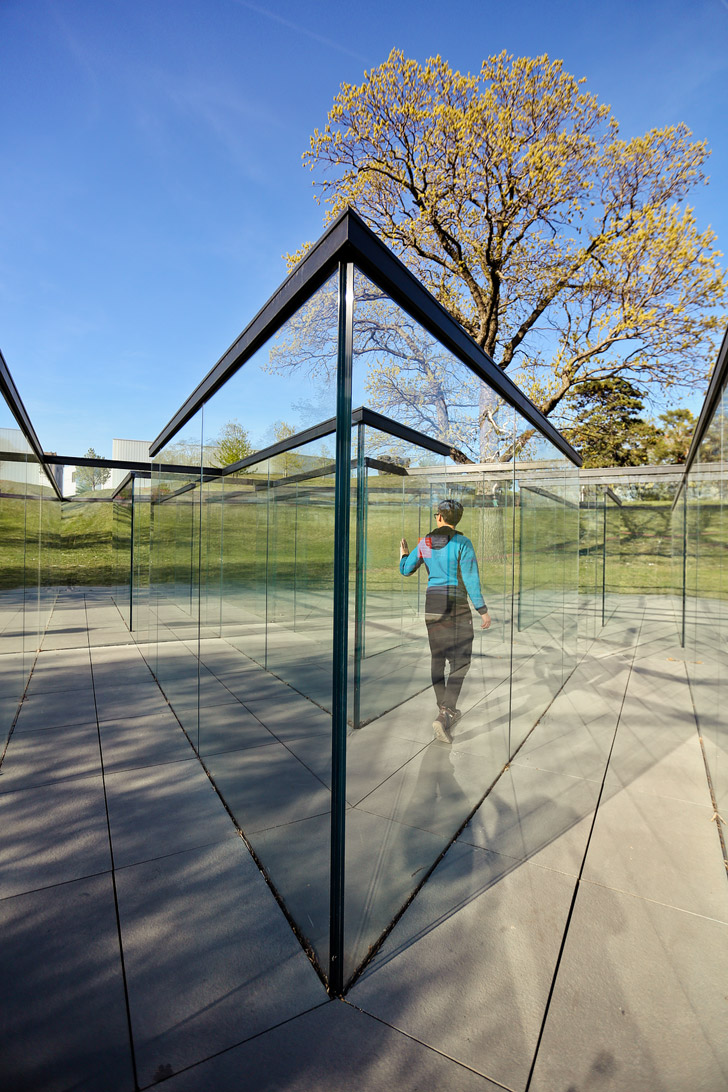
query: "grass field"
87, 543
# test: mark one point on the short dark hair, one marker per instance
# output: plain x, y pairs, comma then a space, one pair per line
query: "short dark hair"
451, 511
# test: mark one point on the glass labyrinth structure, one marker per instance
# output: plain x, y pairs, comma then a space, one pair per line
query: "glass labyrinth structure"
700, 519
289, 646
264, 590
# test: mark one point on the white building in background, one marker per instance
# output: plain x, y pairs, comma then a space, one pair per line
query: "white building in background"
68, 488
134, 451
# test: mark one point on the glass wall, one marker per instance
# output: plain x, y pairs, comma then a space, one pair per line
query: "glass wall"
300, 659
631, 551
592, 541
130, 551
28, 528
122, 531
701, 512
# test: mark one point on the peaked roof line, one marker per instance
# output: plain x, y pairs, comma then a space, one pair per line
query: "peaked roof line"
15, 403
349, 239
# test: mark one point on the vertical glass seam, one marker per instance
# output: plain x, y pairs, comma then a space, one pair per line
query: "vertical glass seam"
340, 634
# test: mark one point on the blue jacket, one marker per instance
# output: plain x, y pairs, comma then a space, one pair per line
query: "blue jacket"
450, 561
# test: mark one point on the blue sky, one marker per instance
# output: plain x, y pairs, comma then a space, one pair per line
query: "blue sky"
151, 165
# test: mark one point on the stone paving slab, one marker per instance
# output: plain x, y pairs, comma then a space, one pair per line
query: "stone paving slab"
52, 834
210, 960
163, 809
291, 717
50, 755
335, 1048
436, 790
640, 1000
297, 859
58, 671
536, 815
267, 786
56, 640
468, 967
659, 848
53, 709
373, 754
656, 763
63, 1008
143, 741
570, 743
137, 700
385, 863
230, 727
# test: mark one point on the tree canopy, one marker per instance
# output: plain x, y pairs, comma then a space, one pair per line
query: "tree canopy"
567, 251
608, 426
231, 444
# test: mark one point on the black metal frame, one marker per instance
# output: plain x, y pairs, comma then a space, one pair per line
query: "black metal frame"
715, 390
349, 240
348, 245
19, 412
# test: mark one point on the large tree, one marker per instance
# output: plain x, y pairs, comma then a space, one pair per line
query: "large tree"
567, 252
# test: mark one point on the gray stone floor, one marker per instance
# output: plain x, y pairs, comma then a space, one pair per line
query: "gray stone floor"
573, 939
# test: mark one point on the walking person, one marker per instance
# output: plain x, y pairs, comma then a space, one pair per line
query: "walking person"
452, 577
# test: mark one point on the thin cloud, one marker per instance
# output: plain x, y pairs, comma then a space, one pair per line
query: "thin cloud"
301, 30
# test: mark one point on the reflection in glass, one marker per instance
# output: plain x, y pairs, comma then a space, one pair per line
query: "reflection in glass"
242, 593
702, 519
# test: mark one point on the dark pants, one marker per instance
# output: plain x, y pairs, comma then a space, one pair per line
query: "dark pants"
450, 632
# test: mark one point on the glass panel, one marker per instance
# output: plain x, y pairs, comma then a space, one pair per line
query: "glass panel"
140, 557
639, 559
31, 622
407, 793
544, 635
241, 600
27, 510
14, 660
266, 600
706, 595
175, 572
122, 545
591, 525
612, 553
50, 537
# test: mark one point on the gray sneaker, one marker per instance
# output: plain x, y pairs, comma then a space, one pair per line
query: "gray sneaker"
441, 725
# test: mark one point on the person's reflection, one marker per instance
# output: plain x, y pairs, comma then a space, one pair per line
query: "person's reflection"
452, 577
438, 802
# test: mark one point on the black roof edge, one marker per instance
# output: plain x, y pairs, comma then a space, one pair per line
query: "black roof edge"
362, 415
409, 435
117, 464
707, 411
349, 239
130, 478
712, 397
19, 412
306, 436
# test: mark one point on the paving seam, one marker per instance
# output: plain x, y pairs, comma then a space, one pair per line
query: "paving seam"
41, 638
427, 1046
113, 882
581, 870
234, 1046
656, 902
376, 946
719, 821
51, 886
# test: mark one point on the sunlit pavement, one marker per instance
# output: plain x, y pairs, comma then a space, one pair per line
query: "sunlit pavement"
574, 937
